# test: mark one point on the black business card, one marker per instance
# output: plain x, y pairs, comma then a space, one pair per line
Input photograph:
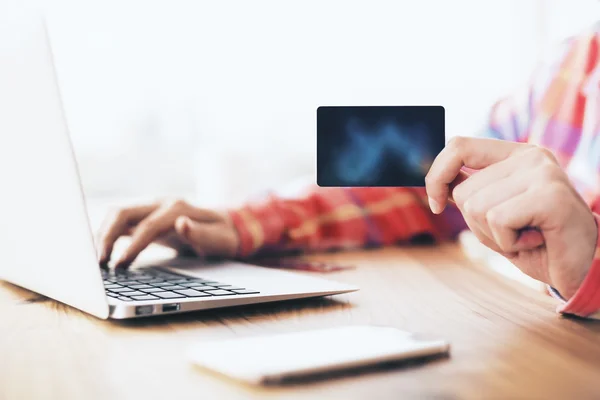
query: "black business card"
377, 145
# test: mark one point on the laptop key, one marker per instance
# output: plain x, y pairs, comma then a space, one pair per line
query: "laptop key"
230, 287
152, 290
219, 284
174, 287
203, 287
150, 280
162, 284
169, 295
178, 281
143, 280
132, 293
191, 284
121, 289
193, 293
144, 297
127, 283
219, 292
112, 286
124, 298
244, 291
112, 294
140, 286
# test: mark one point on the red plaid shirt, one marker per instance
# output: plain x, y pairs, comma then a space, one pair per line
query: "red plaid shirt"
558, 109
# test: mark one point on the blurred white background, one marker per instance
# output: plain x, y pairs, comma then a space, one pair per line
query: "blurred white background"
216, 100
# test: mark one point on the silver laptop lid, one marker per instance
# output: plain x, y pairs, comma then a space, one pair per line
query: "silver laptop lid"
45, 239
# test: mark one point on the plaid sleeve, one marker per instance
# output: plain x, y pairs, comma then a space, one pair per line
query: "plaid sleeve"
510, 117
586, 301
340, 218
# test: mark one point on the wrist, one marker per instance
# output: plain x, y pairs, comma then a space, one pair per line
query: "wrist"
568, 287
571, 282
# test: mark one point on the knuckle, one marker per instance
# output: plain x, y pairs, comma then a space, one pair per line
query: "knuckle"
549, 171
118, 214
484, 240
455, 146
146, 227
175, 204
494, 217
539, 154
467, 208
533, 153
143, 226
548, 154
456, 143
557, 192
475, 208
459, 195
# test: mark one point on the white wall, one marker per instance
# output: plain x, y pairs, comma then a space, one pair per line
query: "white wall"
219, 97
564, 18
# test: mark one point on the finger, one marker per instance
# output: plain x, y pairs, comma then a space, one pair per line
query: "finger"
511, 221
207, 239
159, 222
462, 152
119, 224
156, 224
182, 208
530, 238
462, 176
484, 178
481, 200
485, 238
535, 164
501, 181
459, 194
196, 213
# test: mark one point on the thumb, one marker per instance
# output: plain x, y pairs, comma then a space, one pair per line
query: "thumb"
207, 238
529, 239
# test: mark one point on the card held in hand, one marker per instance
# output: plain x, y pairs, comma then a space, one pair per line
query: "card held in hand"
363, 146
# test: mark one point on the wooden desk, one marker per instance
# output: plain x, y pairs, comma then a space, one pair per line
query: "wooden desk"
507, 342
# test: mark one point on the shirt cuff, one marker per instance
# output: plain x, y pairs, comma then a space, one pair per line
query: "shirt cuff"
586, 301
259, 226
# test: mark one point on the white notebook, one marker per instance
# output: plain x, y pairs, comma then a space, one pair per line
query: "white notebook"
271, 359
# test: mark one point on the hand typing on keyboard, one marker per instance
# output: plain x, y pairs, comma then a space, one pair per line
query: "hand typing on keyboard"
175, 224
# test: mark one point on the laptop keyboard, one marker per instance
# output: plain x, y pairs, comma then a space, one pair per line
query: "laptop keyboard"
156, 284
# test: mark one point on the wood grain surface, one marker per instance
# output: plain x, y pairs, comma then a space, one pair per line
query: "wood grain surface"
507, 341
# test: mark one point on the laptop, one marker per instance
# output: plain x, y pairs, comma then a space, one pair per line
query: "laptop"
46, 243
